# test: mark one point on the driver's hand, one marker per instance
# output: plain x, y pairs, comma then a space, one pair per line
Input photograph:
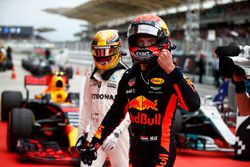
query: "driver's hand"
165, 60
86, 150
110, 142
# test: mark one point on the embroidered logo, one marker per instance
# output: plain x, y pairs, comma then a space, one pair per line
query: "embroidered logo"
157, 81
131, 82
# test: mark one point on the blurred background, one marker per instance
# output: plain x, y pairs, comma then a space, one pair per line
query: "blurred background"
196, 26
38, 36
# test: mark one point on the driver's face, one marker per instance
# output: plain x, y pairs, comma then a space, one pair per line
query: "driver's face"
145, 41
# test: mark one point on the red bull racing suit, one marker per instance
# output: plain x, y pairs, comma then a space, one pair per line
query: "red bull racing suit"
151, 98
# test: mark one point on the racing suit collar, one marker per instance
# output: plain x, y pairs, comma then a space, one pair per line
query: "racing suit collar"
107, 74
152, 64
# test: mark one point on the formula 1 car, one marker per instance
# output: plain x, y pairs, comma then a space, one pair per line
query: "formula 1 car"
43, 129
204, 129
38, 65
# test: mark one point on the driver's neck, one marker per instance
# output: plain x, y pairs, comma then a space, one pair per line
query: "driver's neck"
101, 71
143, 67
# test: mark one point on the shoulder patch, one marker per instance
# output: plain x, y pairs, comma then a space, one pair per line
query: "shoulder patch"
189, 82
131, 82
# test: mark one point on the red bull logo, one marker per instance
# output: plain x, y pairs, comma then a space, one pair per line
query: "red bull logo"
142, 118
142, 103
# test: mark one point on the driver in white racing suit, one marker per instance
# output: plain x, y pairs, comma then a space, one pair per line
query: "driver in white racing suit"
98, 95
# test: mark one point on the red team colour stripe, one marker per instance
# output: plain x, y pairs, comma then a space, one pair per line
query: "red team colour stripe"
182, 104
166, 123
69, 109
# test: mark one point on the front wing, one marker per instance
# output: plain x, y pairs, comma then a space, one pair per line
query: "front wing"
46, 152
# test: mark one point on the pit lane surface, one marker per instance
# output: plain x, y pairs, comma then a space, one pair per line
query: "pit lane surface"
185, 158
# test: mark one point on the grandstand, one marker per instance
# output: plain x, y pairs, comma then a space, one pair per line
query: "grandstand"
195, 25
228, 18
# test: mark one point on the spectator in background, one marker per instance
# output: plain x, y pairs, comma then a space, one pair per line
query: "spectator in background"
2, 52
9, 53
201, 66
47, 53
216, 72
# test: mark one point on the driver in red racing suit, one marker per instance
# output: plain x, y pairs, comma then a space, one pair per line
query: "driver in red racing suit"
150, 91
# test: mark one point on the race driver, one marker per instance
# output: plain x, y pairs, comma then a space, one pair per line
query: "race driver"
98, 95
150, 91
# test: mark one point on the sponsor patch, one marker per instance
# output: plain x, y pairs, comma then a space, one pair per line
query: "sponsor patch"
155, 88
189, 82
113, 78
112, 85
103, 96
144, 119
157, 81
131, 82
142, 103
130, 91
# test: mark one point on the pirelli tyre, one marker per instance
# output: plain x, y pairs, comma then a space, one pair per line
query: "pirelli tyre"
9, 100
25, 64
20, 125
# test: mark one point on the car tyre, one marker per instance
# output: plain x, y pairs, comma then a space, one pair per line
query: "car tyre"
20, 125
9, 100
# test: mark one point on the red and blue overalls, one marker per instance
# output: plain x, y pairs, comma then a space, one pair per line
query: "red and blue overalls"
151, 98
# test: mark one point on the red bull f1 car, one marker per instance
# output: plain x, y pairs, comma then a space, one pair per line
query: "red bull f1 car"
43, 129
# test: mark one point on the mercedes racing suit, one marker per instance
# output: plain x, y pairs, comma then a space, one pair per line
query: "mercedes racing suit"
150, 97
99, 94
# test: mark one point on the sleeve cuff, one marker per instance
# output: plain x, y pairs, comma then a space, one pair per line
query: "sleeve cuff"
175, 75
96, 142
